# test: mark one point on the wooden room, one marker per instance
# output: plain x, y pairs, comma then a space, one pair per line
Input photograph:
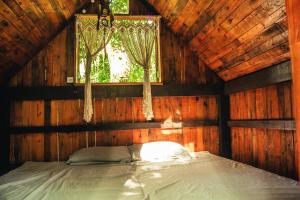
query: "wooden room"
148, 99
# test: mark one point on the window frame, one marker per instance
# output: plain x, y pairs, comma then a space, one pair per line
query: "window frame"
119, 17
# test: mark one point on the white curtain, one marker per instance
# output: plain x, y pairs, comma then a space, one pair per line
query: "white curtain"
139, 41
94, 41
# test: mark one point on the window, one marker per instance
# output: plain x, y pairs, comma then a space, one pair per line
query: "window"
111, 64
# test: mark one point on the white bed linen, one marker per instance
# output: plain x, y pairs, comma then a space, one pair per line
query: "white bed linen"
206, 177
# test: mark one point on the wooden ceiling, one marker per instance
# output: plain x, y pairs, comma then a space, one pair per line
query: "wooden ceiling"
233, 37
27, 25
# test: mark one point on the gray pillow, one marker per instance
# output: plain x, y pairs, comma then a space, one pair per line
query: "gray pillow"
102, 154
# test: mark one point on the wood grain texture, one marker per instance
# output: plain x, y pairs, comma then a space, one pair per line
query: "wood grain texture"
52, 64
68, 112
27, 26
232, 36
269, 149
272, 150
52, 16
294, 42
27, 147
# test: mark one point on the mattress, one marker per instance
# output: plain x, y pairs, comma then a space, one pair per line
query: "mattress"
205, 177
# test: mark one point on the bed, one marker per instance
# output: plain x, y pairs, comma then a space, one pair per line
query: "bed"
206, 176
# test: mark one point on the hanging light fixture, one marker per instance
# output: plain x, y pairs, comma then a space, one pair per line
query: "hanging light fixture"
105, 15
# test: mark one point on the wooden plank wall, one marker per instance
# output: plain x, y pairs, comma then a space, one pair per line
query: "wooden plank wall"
54, 63
67, 112
272, 150
292, 8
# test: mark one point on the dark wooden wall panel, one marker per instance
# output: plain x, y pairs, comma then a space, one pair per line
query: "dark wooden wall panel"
273, 150
29, 146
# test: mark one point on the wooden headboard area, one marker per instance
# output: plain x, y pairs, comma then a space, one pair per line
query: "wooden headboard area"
115, 112
46, 119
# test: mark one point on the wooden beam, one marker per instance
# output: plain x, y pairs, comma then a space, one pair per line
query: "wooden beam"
269, 76
224, 130
293, 15
111, 126
268, 124
77, 92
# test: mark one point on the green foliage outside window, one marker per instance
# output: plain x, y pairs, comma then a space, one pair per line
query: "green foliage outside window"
104, 67
120, 6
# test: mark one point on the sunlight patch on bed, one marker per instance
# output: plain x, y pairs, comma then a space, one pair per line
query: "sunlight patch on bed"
153, 167
130, 193
156, 175
132, 184
163, 151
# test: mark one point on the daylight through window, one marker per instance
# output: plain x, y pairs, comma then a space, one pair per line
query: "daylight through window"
112, 64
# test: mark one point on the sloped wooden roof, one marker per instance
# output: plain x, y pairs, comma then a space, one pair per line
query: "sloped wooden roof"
26, 26
233, 37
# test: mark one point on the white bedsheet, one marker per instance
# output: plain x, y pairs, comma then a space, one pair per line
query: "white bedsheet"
206, 177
